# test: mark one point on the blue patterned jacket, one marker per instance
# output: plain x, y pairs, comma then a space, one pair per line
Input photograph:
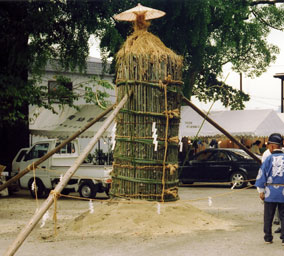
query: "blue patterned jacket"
270, 178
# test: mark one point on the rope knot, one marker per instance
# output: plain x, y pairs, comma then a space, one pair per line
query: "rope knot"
172, 113
162, 85
174, 139
168, 79
30, 167
172, 191
173, 168
55, 195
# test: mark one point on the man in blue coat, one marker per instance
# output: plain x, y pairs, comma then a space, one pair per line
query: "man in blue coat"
270, 185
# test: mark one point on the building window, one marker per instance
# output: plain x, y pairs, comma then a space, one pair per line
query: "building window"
56, 91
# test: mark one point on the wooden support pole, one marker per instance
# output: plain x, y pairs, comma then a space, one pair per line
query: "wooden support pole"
49, 154
209, 120
48, 202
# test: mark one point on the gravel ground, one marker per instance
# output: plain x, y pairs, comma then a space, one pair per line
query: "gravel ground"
241, 208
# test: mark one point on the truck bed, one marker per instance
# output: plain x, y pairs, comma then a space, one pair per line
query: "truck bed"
84, 171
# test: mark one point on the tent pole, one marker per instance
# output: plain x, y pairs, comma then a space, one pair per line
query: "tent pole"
59, 187
49, 154
209, 120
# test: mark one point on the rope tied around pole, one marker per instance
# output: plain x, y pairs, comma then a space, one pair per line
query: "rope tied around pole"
174, 139
30, 166
34, 185
165, 84
172, 167
172, 113
55, 196
172, 191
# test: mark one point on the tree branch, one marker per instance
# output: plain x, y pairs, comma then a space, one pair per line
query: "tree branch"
264, 21
253, 3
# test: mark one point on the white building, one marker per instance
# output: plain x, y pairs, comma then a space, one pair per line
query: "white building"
45, 124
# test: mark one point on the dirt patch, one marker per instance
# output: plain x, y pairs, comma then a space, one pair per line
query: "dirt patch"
144, 219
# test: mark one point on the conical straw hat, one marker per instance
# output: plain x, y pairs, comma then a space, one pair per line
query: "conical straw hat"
131, 14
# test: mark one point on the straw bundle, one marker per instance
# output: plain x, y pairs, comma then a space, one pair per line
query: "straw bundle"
153, 71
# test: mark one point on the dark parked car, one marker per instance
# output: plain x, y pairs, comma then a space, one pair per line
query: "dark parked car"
220, 165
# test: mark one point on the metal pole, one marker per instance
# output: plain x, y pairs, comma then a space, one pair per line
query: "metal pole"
209, 120
48, 202
49, 154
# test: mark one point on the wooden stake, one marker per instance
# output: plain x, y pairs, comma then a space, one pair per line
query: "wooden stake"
48, 202
49, 154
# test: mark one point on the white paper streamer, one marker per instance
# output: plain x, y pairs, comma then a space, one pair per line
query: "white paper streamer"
44, 219
153, 126
113, 146
113, 137
91, 206
159, 208
33, 186
210, 201
155, 136
156, 146
234, 185
61, 177
180, 145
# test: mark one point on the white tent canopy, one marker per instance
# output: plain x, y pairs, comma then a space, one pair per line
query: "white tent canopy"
66, 122
254, 123
281, 116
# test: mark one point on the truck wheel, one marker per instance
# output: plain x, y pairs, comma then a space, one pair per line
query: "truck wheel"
87, 189
42, 192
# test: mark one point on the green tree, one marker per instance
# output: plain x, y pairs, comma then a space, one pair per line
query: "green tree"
210, 34
31, 33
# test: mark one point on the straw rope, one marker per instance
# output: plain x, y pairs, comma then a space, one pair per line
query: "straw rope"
172, 167
126, 196
172, 191
170, 113
55, 195
35, 186
150, 167
142, 160
147, 181
148, 140
166, 140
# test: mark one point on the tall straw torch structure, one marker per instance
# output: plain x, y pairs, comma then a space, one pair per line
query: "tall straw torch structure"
146, 140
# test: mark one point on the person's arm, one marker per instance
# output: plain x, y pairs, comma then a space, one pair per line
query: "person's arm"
261, 181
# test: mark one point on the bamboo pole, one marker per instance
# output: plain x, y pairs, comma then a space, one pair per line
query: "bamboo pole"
50, 153
209, 120
45, 206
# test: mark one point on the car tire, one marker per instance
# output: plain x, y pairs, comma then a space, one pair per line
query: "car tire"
239, 178
42, 192
87, 189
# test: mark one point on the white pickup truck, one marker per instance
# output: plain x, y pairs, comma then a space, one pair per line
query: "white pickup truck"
88, 179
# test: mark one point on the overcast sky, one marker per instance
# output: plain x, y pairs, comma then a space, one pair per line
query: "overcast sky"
264, 91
